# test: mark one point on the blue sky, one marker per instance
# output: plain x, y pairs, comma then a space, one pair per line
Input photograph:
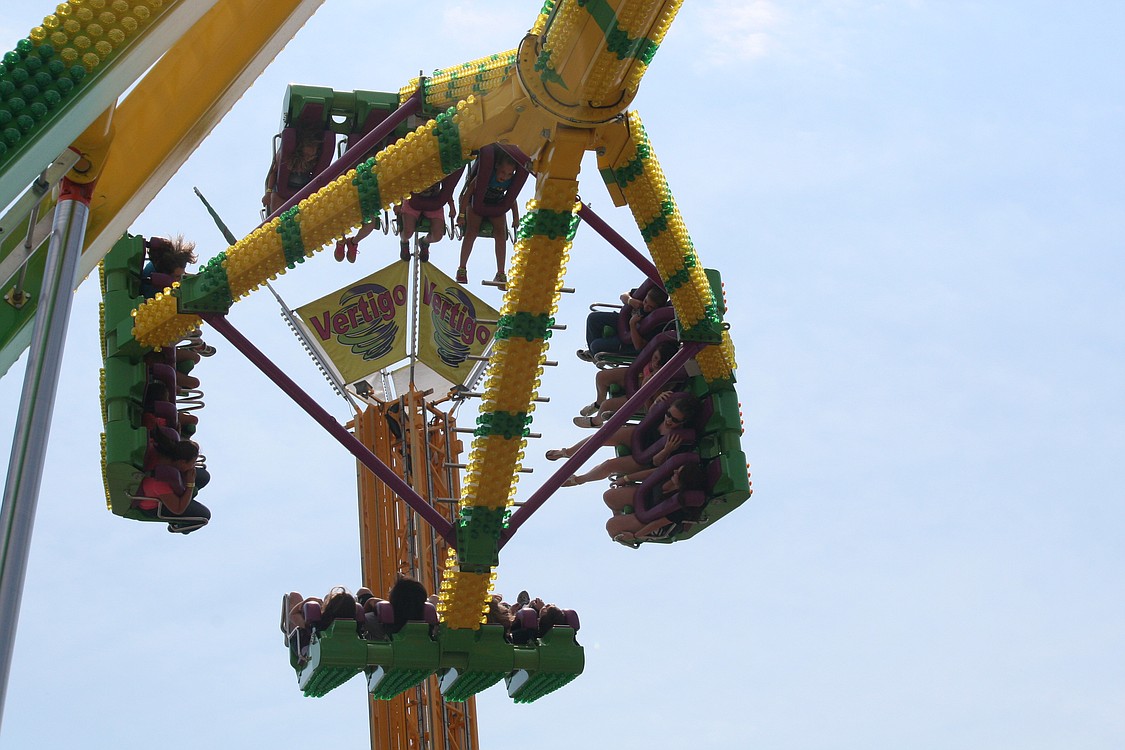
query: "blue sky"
919, 210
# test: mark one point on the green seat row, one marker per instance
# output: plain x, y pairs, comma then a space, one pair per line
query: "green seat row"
466, 661
124, 377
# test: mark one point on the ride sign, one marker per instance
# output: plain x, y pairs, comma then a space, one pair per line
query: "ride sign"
448, 327
362, 328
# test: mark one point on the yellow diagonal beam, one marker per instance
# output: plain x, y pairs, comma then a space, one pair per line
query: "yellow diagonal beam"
636, 171
512, 382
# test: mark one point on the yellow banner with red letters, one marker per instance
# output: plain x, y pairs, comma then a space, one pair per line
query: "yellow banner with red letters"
362, 327
448, 327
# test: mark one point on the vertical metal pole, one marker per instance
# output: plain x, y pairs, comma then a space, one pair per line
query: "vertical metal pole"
415, 309
29, 244
33, 425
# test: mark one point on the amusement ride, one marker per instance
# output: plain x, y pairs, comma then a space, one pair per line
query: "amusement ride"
434, 507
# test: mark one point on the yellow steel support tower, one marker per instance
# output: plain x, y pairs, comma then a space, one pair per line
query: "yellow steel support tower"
418, 441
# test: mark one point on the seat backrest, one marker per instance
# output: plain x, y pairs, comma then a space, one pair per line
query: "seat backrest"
385, 614
437, 200
637, 366
646, 443
327, 152
169, 434
623, 319
656, 321
171, 476
371, 625
166, 374
374, 114
526, 617
341, 607
311, 117
280, 165
167, 411
374, 118
525, 626
483, 168
648, 502
288, 146
158, 282
311, 612
649, 325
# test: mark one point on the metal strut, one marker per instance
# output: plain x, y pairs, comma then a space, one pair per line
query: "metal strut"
33, 425
397, 485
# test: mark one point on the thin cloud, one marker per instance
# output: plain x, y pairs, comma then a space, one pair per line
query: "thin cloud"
739, 31
507, 20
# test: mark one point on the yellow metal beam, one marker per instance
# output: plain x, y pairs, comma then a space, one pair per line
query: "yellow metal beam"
114, 56
169, 113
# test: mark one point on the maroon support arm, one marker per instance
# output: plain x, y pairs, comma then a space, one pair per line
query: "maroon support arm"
571, 466
397, 484
620, 244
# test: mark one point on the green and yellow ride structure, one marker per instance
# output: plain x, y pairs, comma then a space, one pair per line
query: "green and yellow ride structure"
563, 90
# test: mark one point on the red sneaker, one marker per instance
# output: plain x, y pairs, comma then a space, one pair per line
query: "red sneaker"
353, 249
339, 254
